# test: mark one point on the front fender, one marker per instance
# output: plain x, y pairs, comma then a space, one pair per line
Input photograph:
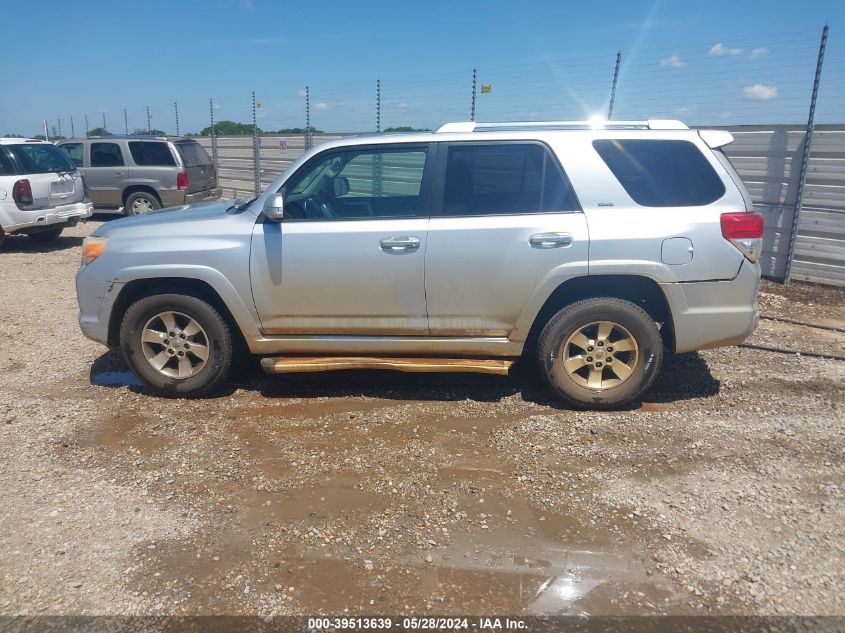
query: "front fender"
241, 308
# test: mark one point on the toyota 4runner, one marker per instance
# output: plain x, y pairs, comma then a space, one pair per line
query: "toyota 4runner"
588, 249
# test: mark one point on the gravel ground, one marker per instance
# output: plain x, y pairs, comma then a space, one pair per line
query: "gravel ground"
386, 493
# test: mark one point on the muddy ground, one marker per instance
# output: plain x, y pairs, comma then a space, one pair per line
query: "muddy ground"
385, 493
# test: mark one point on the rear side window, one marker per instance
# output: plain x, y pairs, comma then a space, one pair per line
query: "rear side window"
151, 154
74, 150
507, 178
662, 173
106, 155
6, 167
193, 154
41, 158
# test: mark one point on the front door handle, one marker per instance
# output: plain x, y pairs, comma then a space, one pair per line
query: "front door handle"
118, 173
550, 240
399, 244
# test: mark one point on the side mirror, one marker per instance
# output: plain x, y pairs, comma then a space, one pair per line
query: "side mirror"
274, 207
341, 186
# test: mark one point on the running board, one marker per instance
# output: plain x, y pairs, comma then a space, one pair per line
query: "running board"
292, 364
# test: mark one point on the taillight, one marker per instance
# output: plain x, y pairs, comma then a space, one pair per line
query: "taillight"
181, 180
745, 232
22, 192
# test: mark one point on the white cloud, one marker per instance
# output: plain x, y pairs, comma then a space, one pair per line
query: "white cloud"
321, 105
300, 92
673, 61
686, 110
757, 53
759, 92
402, 105
720, 50
217, 106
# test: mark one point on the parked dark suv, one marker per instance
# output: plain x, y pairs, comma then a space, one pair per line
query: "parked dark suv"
138, 174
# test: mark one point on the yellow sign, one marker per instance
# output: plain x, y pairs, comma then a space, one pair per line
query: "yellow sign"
486, 88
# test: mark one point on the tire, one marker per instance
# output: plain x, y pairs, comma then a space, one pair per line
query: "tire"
141, 202
159, 360
45, 237
581, 374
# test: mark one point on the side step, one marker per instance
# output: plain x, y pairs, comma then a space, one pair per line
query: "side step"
292, 364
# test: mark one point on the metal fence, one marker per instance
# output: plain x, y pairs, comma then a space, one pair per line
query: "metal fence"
766, 157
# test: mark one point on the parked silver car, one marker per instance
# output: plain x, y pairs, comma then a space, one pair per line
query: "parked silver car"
587, 249
139, 174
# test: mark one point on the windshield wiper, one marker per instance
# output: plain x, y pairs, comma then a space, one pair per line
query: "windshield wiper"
239, 205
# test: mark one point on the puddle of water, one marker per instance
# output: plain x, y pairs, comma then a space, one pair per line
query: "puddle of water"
121, 432
116, 379
312, 408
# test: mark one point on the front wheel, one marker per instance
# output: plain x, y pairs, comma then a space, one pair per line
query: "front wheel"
178, 345
600, 353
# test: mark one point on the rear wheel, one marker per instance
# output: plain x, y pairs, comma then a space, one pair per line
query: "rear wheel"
45, 237
141, 202
178, 345
600, 353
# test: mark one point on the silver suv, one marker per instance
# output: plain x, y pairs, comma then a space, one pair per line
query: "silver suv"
588, 249
139, 174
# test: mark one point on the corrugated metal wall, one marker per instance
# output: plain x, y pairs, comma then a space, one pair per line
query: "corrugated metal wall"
768, 158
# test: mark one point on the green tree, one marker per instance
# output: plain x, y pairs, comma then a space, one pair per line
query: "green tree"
98, 131
229, 128
297, 130
154, 132
407, 128
13, 136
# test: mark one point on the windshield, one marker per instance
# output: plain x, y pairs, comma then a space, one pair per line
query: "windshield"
41, 158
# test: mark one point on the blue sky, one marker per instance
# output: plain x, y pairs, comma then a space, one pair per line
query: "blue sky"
704, 62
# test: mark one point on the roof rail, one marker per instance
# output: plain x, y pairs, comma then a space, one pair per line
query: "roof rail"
651, 124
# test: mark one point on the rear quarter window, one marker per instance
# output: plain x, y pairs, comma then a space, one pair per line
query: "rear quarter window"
6, 166
193, 154
41, 158
661, 173
151, 154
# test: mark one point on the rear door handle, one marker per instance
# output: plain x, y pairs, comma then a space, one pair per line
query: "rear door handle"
118, 173
550, 240
399, 244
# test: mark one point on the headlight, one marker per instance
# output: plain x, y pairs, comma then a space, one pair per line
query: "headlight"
92, 248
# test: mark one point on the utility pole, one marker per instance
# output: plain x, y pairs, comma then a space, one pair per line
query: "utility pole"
60, 125
805, 156
176, 108
307, 118
105, 129
149, 122
378, 106
213, 135
125, 122
472, 109
46, 132
72, 131
613, 87
256, 149
86, 127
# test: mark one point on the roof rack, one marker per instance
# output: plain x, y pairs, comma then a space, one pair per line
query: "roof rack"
650, 124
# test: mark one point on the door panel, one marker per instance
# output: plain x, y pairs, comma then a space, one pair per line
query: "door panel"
506, 219
336, 277
105, 175
349, 256
498, 268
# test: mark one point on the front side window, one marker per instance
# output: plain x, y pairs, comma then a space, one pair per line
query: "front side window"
661, 173
358, 184
151, 154
41, 158
74, 151
106, 155
506, 178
